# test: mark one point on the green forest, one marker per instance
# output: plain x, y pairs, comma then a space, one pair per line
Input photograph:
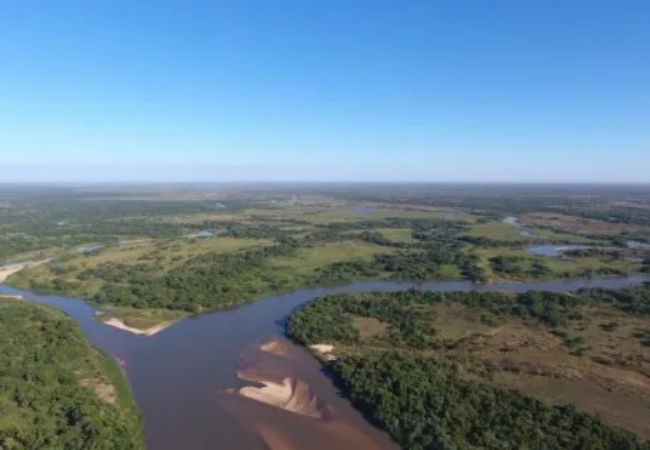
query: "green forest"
429, 390
49, 375
423, 405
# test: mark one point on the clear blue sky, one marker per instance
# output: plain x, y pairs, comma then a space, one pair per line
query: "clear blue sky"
473, 90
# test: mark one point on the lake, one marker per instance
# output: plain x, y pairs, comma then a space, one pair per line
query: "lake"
554, 251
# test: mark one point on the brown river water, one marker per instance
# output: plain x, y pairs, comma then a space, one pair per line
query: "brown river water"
186, 379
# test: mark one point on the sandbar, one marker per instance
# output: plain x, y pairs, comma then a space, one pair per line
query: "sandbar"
289, 394
117, 323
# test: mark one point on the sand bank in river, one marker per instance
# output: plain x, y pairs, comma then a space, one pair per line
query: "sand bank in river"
117, 323
275, 347
292, 406
289, 394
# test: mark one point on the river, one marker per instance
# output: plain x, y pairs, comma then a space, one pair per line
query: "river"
181, 377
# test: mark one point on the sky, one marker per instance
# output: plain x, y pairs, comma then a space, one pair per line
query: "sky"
325, 90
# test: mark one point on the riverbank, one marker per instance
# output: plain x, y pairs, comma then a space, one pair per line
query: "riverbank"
47, 359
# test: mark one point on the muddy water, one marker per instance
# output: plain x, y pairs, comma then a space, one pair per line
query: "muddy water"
183, 378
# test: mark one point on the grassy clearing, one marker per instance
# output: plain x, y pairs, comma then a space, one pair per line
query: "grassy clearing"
579, 225
404, 235
224, 216
579, 265
496, 230
485, 254
310, 259
369, 327
347, 213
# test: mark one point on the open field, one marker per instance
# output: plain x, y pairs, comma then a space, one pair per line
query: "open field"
398, 234
496, 230
580, 225
309, 259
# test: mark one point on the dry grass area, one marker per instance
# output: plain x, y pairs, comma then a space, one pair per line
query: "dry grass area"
160, 255
369, 327
573, 224
309, 259
599, 363
496, 230
404, 235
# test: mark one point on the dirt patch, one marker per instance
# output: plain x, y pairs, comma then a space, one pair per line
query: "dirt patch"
105, 391
369, 327
614, 408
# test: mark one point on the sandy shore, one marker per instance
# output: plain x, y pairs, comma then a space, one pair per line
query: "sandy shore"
324, 351
11, 297
117, 323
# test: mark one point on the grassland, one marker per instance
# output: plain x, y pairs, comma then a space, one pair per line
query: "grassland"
160, 255
581, 226
404, 235
497, 231
307, 260
311, 240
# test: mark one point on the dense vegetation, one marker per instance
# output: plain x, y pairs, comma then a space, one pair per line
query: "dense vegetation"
329, 317
463, 240
423, 404
47, 374
452, 402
